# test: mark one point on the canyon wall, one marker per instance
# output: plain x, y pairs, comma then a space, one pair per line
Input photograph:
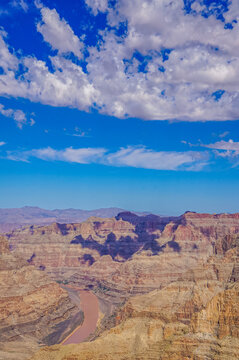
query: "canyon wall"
34, 310
174, 283
126, 255
195, 318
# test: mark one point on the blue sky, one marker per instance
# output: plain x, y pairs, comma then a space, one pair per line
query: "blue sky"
117, 103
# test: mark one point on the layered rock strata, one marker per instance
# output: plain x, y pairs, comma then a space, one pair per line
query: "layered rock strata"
34, 310
193, 319
175, 282
126, 255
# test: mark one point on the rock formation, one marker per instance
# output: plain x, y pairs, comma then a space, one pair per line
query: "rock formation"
34, 310
129, 254
193, 319
174, 283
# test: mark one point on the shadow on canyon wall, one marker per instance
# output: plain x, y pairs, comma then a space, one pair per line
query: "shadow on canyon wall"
126, 246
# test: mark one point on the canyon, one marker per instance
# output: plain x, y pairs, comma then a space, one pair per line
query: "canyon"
168, 287
34, 310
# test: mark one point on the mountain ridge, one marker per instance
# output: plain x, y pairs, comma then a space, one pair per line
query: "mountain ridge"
14, 218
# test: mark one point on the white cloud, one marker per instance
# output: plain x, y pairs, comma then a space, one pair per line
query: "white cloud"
22, 4
194, 71
67, 86
224, 134
58, 33
137, 157
18, 115
154, 23
140, 157
224, 145
97, 5
225, 149
80, 156
2, 143
78, 132
8, 61
32, 122
203, 61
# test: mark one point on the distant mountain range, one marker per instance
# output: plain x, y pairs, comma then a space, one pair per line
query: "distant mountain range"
13, 218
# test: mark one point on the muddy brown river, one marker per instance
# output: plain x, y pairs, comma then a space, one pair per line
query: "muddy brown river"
90, 307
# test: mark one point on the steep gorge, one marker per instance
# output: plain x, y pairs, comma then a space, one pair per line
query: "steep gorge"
195, 318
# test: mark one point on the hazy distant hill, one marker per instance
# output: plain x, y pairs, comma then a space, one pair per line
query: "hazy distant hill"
14, 218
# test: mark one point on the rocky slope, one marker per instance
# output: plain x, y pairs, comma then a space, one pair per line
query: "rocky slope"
34, 310
194, 319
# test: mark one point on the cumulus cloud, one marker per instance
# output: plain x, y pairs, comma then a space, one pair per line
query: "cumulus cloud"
137, 157
8, 61
18, 115
58, 33
2, 143
168, 63
68, 85
187, 84
97, 5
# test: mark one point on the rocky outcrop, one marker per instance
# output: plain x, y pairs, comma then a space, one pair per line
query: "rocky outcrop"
221, 315
34, 310
129, 254
193, 320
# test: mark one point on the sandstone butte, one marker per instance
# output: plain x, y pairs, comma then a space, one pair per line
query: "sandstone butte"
168, 287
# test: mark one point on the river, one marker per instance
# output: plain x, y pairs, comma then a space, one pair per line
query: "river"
90, 307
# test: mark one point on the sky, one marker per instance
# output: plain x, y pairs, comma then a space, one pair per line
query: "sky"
117, 103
